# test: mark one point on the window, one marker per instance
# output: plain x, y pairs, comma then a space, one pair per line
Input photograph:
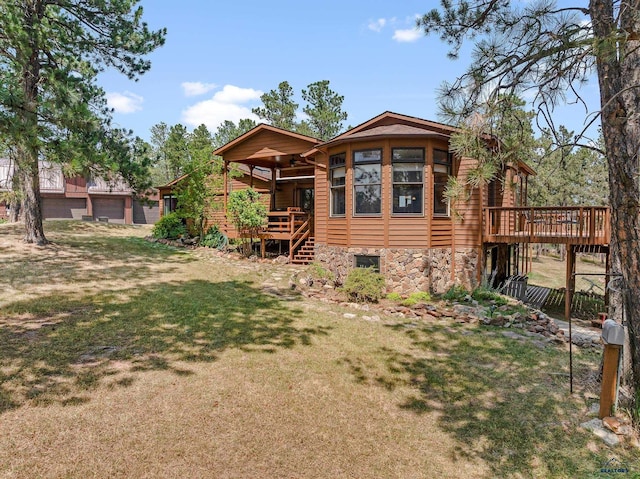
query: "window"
441, 173
338, 173
367, 182
368, 261
408, 180
170, 203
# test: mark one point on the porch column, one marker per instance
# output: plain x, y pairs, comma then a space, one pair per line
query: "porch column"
272, 205
224, 178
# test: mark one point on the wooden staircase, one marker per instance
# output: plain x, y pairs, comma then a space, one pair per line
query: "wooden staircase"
305, 254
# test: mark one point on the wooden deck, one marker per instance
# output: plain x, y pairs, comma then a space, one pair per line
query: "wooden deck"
556, 225
294, 226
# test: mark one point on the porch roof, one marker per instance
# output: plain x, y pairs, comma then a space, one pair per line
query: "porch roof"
266, 146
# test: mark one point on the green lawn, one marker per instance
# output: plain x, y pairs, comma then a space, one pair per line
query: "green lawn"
123, 358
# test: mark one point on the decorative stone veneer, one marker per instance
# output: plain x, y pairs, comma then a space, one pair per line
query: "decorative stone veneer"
407, 270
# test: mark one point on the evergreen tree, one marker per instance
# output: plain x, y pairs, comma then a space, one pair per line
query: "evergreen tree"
229, 131
160, 173
324, 109
551, 51
50, 104
176, 149
279, 108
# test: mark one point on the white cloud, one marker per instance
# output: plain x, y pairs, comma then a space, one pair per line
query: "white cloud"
196, 88
124, 103
377, 25
407, 36
230, 103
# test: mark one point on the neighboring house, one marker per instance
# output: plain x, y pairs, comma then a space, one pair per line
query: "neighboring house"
373, 196
80, 198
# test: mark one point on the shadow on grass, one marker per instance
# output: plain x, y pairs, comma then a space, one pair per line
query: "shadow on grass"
94, 258
495, 396
106, 338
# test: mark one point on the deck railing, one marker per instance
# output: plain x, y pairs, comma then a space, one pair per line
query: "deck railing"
293, 225
570, 225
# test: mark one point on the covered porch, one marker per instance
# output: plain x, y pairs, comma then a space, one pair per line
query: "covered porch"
273, 156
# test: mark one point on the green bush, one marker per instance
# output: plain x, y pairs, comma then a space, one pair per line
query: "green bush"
484, 294
169, 227
455, 293
364, 285
214, 238
317, 271
417, 297
2, 221
397, 297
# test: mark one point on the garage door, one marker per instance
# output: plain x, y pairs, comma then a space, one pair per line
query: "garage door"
63, 208
112, 208
146, 213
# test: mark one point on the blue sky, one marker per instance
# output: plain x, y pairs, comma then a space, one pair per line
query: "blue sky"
220, 56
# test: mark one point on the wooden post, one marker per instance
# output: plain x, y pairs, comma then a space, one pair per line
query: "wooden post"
568, 296
609, 379
226, 187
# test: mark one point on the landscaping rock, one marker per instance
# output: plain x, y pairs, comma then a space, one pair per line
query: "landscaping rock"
595, 426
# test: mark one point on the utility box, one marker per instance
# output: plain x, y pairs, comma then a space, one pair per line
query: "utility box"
612, 333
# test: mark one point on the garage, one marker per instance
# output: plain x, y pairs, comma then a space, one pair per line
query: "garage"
112, 208
63, 208
145, 213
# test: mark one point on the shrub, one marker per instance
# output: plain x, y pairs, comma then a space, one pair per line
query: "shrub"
169, 227
317, 271
214, 238
364, 285
2, 221
485, 294
455, 293
394, 297
417, 297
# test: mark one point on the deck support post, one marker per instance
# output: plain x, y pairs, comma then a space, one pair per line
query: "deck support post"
568, 297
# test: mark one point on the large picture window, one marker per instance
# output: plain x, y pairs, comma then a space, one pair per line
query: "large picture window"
338, 173
367, 182
441, 173
408, 180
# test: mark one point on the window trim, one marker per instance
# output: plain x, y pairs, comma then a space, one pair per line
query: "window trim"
332, 188
355, 163
421, 214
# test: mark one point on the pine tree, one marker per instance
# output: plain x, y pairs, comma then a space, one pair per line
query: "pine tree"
51, 52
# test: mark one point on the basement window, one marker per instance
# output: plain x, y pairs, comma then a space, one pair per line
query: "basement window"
367, 261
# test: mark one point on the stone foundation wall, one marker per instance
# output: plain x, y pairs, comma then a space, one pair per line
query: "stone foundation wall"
407, 270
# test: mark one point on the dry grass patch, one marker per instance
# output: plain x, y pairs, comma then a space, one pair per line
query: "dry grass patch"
196, 366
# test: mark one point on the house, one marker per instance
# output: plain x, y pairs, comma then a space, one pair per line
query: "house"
373, 196
78, 197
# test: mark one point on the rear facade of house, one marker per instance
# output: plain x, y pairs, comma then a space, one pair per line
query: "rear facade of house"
372, 196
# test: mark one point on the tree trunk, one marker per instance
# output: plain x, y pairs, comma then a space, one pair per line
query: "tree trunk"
31, 201
14, 203
27, 150
619, 77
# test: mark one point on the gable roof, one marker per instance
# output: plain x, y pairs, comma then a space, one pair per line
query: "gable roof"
389, 124
261, 128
